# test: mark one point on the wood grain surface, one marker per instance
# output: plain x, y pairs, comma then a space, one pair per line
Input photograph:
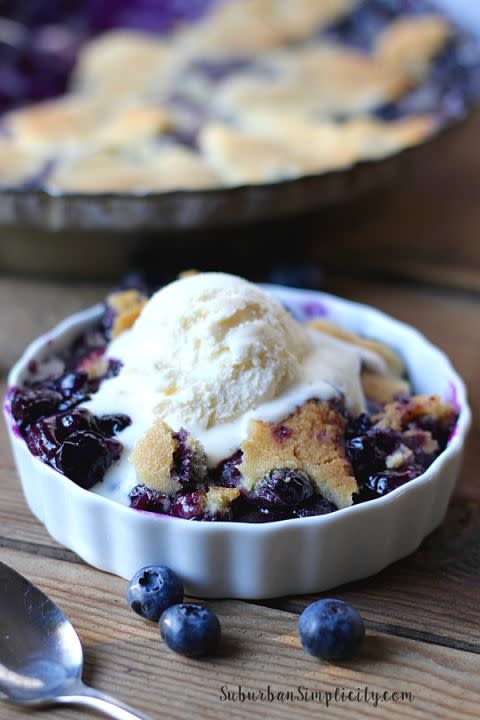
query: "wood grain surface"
260, 648
426, 230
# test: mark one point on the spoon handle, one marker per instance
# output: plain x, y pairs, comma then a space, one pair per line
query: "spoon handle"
85, 696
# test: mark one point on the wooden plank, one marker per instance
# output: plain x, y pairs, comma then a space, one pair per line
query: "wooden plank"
33, 308
126, 658
431, 595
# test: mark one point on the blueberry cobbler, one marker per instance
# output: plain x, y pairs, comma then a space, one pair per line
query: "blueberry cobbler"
227, 92
209, 401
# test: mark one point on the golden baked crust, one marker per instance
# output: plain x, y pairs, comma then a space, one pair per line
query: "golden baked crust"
312, 440
319, 146
410, 43
274, 119
238, 158
219, 499
137, 169
127, 305
391, 358
383, 388
152, 458
54, 123
399, 457
95, 365
132, 124
251, 26
18, 165
122, 64
241, 157
372, 139
75, 121
323, 80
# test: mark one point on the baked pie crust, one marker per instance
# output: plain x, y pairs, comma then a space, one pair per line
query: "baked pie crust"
283, 100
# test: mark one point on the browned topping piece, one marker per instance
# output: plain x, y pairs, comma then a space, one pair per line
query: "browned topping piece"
398, 414
94, 365
312, 440
219, 499
127, 305
187, 273
423, 440
393, 361
410, 43
383, 388
399, 457
152, 458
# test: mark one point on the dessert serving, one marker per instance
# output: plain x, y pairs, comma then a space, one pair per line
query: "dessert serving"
249, 92
209, 401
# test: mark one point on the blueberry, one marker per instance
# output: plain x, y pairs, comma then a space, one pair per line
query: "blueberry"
189, 506
110, 425
148, 500
389, 480
316, 505
191, 630
229, 472
152, 590
28, 404
368, 452
283, 489
331, 629
76, 443
85, 456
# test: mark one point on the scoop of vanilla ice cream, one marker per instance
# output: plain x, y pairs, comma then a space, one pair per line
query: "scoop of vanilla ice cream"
211, 352
212, 346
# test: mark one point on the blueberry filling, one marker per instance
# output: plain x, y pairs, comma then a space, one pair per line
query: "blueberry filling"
228, 474
77, 444
189, 506
148, 500
69, 438
283, 489
316, 505
85, 456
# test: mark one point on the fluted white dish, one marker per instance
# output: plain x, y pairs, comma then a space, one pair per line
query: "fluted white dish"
241, 560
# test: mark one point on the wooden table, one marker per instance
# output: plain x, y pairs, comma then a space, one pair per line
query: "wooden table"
422, 614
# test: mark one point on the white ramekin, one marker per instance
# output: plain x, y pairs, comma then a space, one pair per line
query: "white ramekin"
241, 560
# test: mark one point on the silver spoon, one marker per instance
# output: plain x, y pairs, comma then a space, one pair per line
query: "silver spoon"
41, 657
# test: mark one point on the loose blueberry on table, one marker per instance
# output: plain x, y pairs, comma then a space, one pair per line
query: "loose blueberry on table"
331, 629
190, 629
152, 590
